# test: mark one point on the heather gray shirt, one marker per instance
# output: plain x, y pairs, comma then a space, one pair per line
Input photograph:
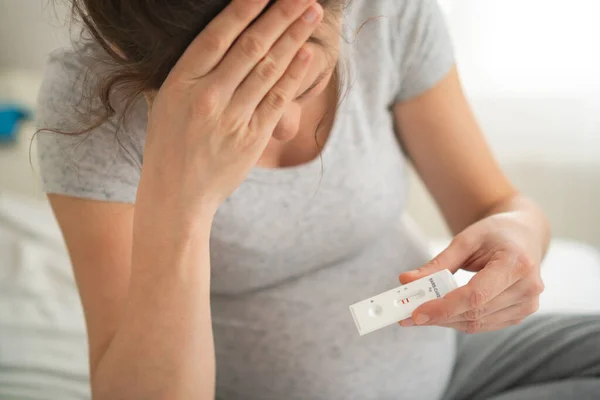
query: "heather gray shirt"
292, 248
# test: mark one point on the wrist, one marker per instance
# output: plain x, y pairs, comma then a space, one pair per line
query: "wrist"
531, 220
168, 242
172, 216
186, 223
187, 207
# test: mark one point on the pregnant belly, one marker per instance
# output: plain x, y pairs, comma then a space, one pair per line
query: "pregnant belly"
298, 340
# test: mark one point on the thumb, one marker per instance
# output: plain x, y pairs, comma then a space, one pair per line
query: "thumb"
452, 258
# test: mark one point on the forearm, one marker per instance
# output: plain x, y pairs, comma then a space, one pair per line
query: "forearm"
163, 348
525, 211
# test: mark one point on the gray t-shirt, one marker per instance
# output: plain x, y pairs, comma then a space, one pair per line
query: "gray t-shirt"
292, 248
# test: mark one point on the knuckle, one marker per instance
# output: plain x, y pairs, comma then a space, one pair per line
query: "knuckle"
525, 265
296, 34
294, 74
435, 263
478, 298
287, 9
535, 289
529, 292
474, 327
276, 100
539, 286
531, 307
267, 70
463, 243
208, 102
242, 12
213, 43
251, 47
446, 315
442, 315
474, 314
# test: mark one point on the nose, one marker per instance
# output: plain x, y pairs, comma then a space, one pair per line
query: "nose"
289, 124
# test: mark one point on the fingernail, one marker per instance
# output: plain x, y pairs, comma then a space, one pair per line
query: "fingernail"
407, 323
421, 319
310, 15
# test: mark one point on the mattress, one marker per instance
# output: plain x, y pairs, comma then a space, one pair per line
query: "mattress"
43, 345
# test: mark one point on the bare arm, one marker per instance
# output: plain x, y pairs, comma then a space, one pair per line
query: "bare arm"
144, 273
147, 310
500, 235
450, 154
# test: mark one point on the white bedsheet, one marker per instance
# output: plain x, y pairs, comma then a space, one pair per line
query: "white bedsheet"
42, 338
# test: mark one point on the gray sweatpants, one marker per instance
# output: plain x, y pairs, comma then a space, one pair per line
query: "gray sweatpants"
549, 357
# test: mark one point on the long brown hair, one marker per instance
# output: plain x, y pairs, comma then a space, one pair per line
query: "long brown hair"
151, 36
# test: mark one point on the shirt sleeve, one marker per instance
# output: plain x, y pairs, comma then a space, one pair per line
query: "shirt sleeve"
423, 47
103, 164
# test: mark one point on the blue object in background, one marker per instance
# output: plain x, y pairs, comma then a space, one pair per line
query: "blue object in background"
10, 116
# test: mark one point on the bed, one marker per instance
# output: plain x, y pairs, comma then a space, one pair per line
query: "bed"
42, 337
43, 344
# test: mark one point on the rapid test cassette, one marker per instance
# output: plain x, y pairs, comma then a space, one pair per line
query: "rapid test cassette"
397, 304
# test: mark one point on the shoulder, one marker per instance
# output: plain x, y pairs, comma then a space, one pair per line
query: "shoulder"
404, 24
402, 45
66, 86
69, 97
102, 164
400, 13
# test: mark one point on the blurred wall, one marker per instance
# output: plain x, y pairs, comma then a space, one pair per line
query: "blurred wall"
543, 54
29, 30
528, 45
530, 68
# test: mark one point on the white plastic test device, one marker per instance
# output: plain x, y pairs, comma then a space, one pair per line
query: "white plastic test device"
397, 304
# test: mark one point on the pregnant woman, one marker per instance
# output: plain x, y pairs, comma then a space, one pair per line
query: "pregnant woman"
230, 176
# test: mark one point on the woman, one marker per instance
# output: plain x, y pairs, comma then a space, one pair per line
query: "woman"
268, 180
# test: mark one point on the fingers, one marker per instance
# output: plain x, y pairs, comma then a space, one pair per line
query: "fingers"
512, 312
256, 42
260, 81
500, 277
510, 305
518, 294
473, 296
270, 110
481, 327
497, 316
452, 258
503, 275
211, 45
